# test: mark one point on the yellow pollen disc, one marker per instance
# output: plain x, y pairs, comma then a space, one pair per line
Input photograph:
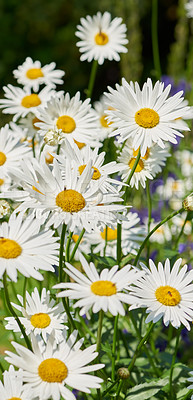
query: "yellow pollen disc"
175, 186
145, 157
96, 173
103, 121
70, 201
49, 158
52, 370
147, 118
103, 288
40, 320
15, 398
34, 121
3, 158
79, 144
75, 238
66, 123
111, 234
101, 38
32, 100
9, 248
139, 167
168, 295
34, 73
1, 182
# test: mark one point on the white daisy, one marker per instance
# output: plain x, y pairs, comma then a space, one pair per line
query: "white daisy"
22, 101
105, 291
28, 124
101, 171
24, 248
12, 386
67, 199
162, 234
143, 171
185, 160
41, 315
165, 292
189, 8
101, 38
31, 74
174, 190
47, 373
99, 110
11, 151
178, 222
72, 118
147, 116
131, 237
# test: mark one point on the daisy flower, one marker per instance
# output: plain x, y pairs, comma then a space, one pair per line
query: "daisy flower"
99, 110
189, 8
101, 171
31, 75
22, 101
146, 116
174, 190
40, 315
178, 222
131, 237
11, 151
12, 386
165, 292
162, 234
28, 124
72, 118
46, 373
105, 291
185, 160
101, 38
25, 249
66, 199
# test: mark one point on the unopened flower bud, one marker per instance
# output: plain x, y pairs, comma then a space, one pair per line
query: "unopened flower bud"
4, 208
123, 373
188, 203
53, 138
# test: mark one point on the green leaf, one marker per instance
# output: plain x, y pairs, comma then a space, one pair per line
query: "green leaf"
146, 390
126, 260
110, 261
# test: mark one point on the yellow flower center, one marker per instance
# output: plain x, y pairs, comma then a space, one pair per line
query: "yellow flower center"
111, 234
34, 73
1, 182
96, 173
3, 158
52, 370
101, 38
49, 158
15, 398
145, 157
103, 121
70, 201
175, 186
32, 100
168, 295
9, 248
79, 144
66, 123
40, 320
103, 288
147, 118
139, 167
75, 238
34, 121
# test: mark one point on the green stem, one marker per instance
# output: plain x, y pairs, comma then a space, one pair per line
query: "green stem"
1, 368
187, 395
33, 146
139, 346
100, 325
67, 254
131, 174
114, 348
153, 230
58, 149
154, 35
61, 254
172, 394
120, 385
119, 232
77, 244
109, 388
12, 311
92, 78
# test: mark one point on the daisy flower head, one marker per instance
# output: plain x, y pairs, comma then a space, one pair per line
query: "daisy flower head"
69, 117
28, 124
132, 236
174, 190
146, 116
40, 315
104, 126
101, 38
11, 151
165, 292
105, 291
189, 8
46, 373
20, 102
12, 386
25, 249
31, 75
